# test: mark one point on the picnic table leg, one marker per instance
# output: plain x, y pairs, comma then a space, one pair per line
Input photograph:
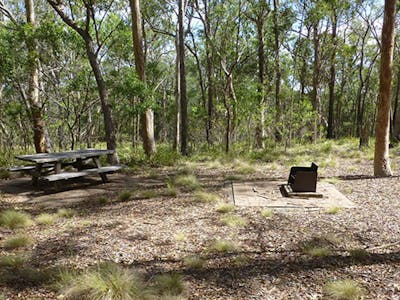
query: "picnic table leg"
98, 165
36, 174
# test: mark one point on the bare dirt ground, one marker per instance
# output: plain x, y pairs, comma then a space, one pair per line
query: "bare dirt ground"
154, 233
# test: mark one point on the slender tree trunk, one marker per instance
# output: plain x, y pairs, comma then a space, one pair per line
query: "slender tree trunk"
39, 130
396, 110
381, 159
332, 75
315, 80
183, 102
260, 128
278, 75
210, 74
147, 116
177, 121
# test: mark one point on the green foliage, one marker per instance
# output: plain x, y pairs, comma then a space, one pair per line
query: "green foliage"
359, 254
104, 281
4, 174
333, 210
18, 241
344, 290
318, 247
14, 219
12, 261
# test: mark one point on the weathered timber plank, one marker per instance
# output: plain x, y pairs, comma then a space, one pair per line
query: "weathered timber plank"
69, 175
57, 156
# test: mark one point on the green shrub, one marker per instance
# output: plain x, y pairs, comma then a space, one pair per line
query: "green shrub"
4, 174
46, 219
104, 281
206, 197
102, 200
12, 261
344, 290
233, 221
66, 213
124, 196
170, 284
225, 208
17, 241
14, 219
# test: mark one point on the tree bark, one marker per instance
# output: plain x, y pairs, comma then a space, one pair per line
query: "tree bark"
183, 99
396, 111
260, 128
39, 131
177, 121
278, 75
315, 80
381, 159
147, 116
332, 75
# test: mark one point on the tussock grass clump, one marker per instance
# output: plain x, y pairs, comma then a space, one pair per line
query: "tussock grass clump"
18, 241
225, 208
12, 261
124, 196
66, 213
333, 210
359, 254
318, 247
102, 200
180, 236
46, 219
267, 213
4, 174
14, 219
243, 168
344, 290
170, 192
104, 281
187, 182
223, 246
206, 197
194, 262
148, 194
233, 177
170, 284
233, 221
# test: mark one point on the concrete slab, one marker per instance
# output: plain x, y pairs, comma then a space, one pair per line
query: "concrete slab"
267, 194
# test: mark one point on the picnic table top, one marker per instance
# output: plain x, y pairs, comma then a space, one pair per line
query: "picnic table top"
59, 156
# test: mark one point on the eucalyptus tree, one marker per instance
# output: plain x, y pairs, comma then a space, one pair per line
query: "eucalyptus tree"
147, 116
381, 158
89, 27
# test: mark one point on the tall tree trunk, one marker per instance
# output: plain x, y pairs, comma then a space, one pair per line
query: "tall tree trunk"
39, 130
381, 159
177, 121
315, 81
332, 75
210, 74
147, 116
278, 74
396, 111
260, 128
183, 100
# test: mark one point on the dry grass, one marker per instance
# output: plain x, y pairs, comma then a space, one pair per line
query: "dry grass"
344, 290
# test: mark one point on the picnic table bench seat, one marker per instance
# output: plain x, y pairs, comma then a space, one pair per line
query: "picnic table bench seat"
28, 168
76, 174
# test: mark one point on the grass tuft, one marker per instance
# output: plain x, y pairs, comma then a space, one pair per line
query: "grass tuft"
180, 236
267, 213
12, 261
206, 197
124, 196
194, 262
148, 194
344, 290
66, 213
104, 281
14, 219
170, 284
223, 246
233, 221
187, 182
318, 247
225, 208
102, 200
46, 219
359, 254
18, 241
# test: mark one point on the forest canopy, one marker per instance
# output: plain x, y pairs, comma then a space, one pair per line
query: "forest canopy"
254, 72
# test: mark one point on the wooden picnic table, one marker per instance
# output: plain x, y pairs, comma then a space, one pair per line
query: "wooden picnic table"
51, 166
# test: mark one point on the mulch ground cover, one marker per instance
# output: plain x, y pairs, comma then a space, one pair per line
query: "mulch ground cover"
154, 233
